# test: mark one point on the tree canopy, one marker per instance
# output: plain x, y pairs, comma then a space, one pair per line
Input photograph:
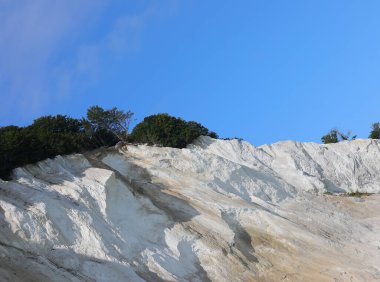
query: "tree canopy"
330, 137
168, 131
375, 132
49, 136
113, 120
335, 136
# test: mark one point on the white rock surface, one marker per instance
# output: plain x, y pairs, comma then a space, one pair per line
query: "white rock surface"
216, 211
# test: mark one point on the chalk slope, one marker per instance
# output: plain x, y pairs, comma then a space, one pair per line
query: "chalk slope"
216, 211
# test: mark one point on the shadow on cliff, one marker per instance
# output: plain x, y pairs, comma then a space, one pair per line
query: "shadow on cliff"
139, 182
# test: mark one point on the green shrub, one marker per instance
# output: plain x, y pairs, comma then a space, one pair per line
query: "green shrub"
168, 131
375, 132
358, 194
335, 136
50, 136
114, 121
331, 137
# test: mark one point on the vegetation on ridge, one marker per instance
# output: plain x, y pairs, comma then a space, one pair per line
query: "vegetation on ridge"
375, 132
335, 136
356, 194
49, 136
168, 131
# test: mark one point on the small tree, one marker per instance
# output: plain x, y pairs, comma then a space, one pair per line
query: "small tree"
346, 136
375, 132
114, 120
168, 131
331, 137
335, 136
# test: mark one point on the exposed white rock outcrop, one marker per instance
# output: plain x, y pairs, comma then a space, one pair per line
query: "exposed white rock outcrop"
216, 211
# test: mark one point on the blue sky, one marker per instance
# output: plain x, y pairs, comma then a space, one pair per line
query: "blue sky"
264, 71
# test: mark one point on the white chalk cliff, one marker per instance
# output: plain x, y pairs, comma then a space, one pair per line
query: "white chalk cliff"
215, 211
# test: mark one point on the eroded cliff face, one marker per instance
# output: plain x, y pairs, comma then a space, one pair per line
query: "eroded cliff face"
216, 211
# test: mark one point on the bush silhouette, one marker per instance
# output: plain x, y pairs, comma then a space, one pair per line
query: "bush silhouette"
375, 132
168, 131
49, 136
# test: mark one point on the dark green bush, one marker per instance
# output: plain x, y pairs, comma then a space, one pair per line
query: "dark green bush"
114, 121
375, 132
47, 137
168, 131
331, 137
335, 136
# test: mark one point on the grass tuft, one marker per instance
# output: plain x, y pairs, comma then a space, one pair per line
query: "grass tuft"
356, 194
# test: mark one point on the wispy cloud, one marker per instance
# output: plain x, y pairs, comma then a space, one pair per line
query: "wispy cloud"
127, 31
81, 72
84, 69
34, 35
31, 32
